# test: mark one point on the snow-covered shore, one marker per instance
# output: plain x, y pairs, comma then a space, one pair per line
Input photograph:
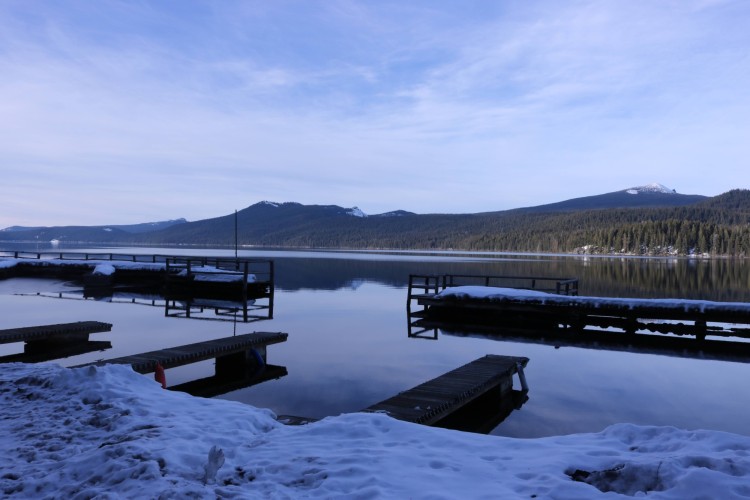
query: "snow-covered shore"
109, 433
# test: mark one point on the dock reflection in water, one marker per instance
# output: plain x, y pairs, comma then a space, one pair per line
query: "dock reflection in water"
347, 350
183, 306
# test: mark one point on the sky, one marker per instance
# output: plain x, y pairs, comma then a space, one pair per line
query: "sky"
119, 112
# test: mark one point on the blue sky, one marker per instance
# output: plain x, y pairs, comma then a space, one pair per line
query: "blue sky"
132, 111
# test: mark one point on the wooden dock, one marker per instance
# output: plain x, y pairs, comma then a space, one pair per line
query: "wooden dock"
535, 307
58, 333
227, 352
436, 400
199, 276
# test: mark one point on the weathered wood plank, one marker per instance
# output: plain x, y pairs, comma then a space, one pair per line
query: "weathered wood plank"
61, 331
436, 399
199, 351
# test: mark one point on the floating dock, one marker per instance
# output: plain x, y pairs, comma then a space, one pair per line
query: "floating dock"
435, 401
516, 307
54, 334
184, 276
48, 342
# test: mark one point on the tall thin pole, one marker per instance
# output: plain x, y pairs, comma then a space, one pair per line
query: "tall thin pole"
235, 235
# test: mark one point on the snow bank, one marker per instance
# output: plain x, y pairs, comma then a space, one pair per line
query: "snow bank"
105, 269
111, 432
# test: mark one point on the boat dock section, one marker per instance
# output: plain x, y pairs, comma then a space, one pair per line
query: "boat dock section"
228, 351
62, 332
698, 318
428, 285
186, 276
433, 401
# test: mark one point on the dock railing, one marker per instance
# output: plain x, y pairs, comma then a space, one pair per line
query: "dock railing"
560, 286
425, 285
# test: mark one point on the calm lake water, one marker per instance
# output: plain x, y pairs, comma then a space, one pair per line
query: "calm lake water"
345, 313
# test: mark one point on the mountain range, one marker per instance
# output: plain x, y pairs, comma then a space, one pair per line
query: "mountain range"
651, 220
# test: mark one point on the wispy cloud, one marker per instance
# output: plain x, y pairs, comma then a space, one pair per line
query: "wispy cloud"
199, 108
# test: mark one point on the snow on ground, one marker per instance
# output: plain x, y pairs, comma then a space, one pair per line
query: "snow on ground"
109, 432
514, 294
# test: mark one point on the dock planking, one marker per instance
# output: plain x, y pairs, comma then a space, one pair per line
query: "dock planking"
62, 332
534, 302
226, 351
439, 398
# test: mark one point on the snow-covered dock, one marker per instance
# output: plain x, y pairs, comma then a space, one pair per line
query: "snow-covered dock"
436, 400
514, 307
185, 275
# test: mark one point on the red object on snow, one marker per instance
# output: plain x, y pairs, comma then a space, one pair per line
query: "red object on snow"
159, 375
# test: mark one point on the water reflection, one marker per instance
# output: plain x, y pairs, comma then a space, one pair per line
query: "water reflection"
347, 349
720, 350
186, 307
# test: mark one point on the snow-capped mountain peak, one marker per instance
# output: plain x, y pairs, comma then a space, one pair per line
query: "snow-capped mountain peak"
356, 212
651, 188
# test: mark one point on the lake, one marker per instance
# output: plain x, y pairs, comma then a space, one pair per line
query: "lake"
348, 346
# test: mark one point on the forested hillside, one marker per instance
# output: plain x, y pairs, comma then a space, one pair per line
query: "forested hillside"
718, 226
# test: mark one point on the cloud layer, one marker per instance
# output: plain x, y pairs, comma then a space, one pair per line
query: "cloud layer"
121, 112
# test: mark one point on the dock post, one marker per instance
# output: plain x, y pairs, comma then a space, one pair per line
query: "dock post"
700, 330
271, 289
522, 377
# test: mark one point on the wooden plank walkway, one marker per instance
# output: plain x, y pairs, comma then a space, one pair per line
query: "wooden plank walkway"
62, 332
432, 401
224, 348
